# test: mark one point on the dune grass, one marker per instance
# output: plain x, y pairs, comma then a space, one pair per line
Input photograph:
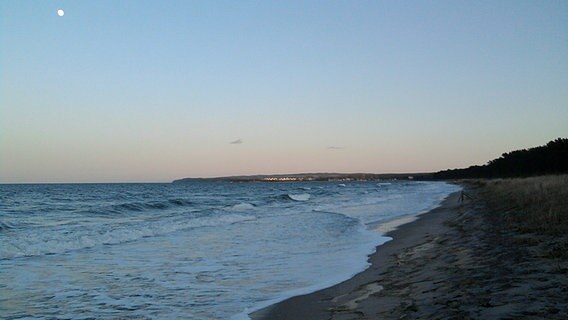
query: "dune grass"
536, 204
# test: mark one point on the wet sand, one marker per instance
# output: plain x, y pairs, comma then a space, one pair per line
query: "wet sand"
458, 261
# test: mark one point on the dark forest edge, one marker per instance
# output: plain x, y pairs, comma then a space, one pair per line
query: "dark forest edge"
548, 159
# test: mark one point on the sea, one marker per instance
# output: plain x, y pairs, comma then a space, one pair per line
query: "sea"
195, 250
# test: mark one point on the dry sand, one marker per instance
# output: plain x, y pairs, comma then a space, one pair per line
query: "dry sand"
458, 261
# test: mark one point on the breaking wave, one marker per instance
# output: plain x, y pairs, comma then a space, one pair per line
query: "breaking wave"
59, 240
299, 197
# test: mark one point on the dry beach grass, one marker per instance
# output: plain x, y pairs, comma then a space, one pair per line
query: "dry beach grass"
536, 204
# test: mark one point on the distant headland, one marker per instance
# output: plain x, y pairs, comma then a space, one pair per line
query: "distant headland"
309, 177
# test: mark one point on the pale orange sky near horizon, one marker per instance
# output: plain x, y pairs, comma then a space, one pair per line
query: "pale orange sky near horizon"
152, 92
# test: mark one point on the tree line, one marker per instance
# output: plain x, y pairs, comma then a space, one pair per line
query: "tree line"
551, 158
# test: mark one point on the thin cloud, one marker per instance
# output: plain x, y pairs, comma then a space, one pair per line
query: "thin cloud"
335, 148
238, 141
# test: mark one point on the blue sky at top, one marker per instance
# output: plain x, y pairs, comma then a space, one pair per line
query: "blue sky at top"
157, 90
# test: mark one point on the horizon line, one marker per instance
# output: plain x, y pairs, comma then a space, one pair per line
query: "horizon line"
214, 177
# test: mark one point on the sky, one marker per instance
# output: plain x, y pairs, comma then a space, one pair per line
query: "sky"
151, 91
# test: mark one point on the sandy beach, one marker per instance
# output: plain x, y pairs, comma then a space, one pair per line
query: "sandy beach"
458, 261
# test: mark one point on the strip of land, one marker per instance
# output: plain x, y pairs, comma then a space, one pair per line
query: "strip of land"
478, 256
313, 177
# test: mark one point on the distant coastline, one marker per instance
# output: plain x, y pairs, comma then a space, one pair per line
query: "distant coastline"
311, 177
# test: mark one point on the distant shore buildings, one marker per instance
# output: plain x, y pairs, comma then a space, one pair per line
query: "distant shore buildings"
284, 179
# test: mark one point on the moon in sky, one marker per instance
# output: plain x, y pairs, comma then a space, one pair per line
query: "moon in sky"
60, 12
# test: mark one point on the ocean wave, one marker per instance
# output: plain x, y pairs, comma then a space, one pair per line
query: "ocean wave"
5, 226
243, 206
299, 197
42, 241
130, 207
180, 202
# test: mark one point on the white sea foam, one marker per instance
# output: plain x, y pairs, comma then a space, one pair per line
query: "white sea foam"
357, 266
52, 241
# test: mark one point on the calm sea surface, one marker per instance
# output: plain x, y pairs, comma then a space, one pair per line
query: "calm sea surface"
201, 250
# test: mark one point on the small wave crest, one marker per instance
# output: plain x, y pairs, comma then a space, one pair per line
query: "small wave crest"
243, 206
299, 197
128, 207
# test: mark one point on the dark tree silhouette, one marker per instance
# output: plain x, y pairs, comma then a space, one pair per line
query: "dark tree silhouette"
551, 158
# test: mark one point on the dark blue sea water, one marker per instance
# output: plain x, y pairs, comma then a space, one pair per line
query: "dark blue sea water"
200, 250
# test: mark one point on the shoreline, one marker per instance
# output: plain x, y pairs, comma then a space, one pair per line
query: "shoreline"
459, 260
317, 305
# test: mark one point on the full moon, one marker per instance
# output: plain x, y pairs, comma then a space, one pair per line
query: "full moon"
60, 12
